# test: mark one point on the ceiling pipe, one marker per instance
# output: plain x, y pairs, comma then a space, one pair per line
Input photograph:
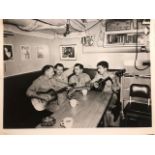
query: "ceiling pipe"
53, 22
19, 22
79, 21
52, 25
31, 25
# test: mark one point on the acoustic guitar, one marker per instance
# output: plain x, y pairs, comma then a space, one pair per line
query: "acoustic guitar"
40, 104
101, 84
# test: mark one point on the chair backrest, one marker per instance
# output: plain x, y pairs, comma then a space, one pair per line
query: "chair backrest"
140, 90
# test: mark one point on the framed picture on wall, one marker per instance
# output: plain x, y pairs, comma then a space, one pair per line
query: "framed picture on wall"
25, 52
68, 52
42, 52
8, 52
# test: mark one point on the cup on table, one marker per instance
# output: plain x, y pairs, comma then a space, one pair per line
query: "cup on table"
84, 92
67, 122
73, 102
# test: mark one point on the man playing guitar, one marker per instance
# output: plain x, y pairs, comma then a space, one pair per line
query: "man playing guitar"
107, 82
42, 90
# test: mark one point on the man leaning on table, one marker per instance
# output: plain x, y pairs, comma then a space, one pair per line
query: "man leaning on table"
79, 80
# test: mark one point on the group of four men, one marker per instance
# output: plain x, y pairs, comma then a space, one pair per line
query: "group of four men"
57, 78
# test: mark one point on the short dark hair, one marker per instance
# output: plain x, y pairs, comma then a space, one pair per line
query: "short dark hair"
104, 64
79, 65
45, 68
60, 65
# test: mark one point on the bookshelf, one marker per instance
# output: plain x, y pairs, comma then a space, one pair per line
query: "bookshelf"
124, 38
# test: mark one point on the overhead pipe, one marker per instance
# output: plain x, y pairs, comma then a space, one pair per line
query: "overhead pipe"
30, 25
19, 22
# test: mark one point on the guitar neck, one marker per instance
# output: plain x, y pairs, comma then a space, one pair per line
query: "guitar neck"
80, 88
61, 90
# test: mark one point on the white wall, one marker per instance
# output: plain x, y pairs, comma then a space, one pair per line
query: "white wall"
18, 66
114, 56
116, 59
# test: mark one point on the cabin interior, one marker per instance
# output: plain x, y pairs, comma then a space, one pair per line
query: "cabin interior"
34, 43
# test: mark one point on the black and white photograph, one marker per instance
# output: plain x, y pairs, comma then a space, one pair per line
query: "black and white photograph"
108, 87
8, 52
67, 52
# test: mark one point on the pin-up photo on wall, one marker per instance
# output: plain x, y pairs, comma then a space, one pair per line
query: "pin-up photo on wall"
68, 52
8, 52
25, 52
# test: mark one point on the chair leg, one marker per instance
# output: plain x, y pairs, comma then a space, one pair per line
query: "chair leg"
122, 110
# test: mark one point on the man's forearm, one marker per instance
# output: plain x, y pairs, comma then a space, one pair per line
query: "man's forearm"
30, 93
68, 72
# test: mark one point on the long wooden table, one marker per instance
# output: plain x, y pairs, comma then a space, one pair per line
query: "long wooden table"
87, 113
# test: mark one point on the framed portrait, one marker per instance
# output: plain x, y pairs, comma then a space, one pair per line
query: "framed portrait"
8, 52
68, 52
25, 52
